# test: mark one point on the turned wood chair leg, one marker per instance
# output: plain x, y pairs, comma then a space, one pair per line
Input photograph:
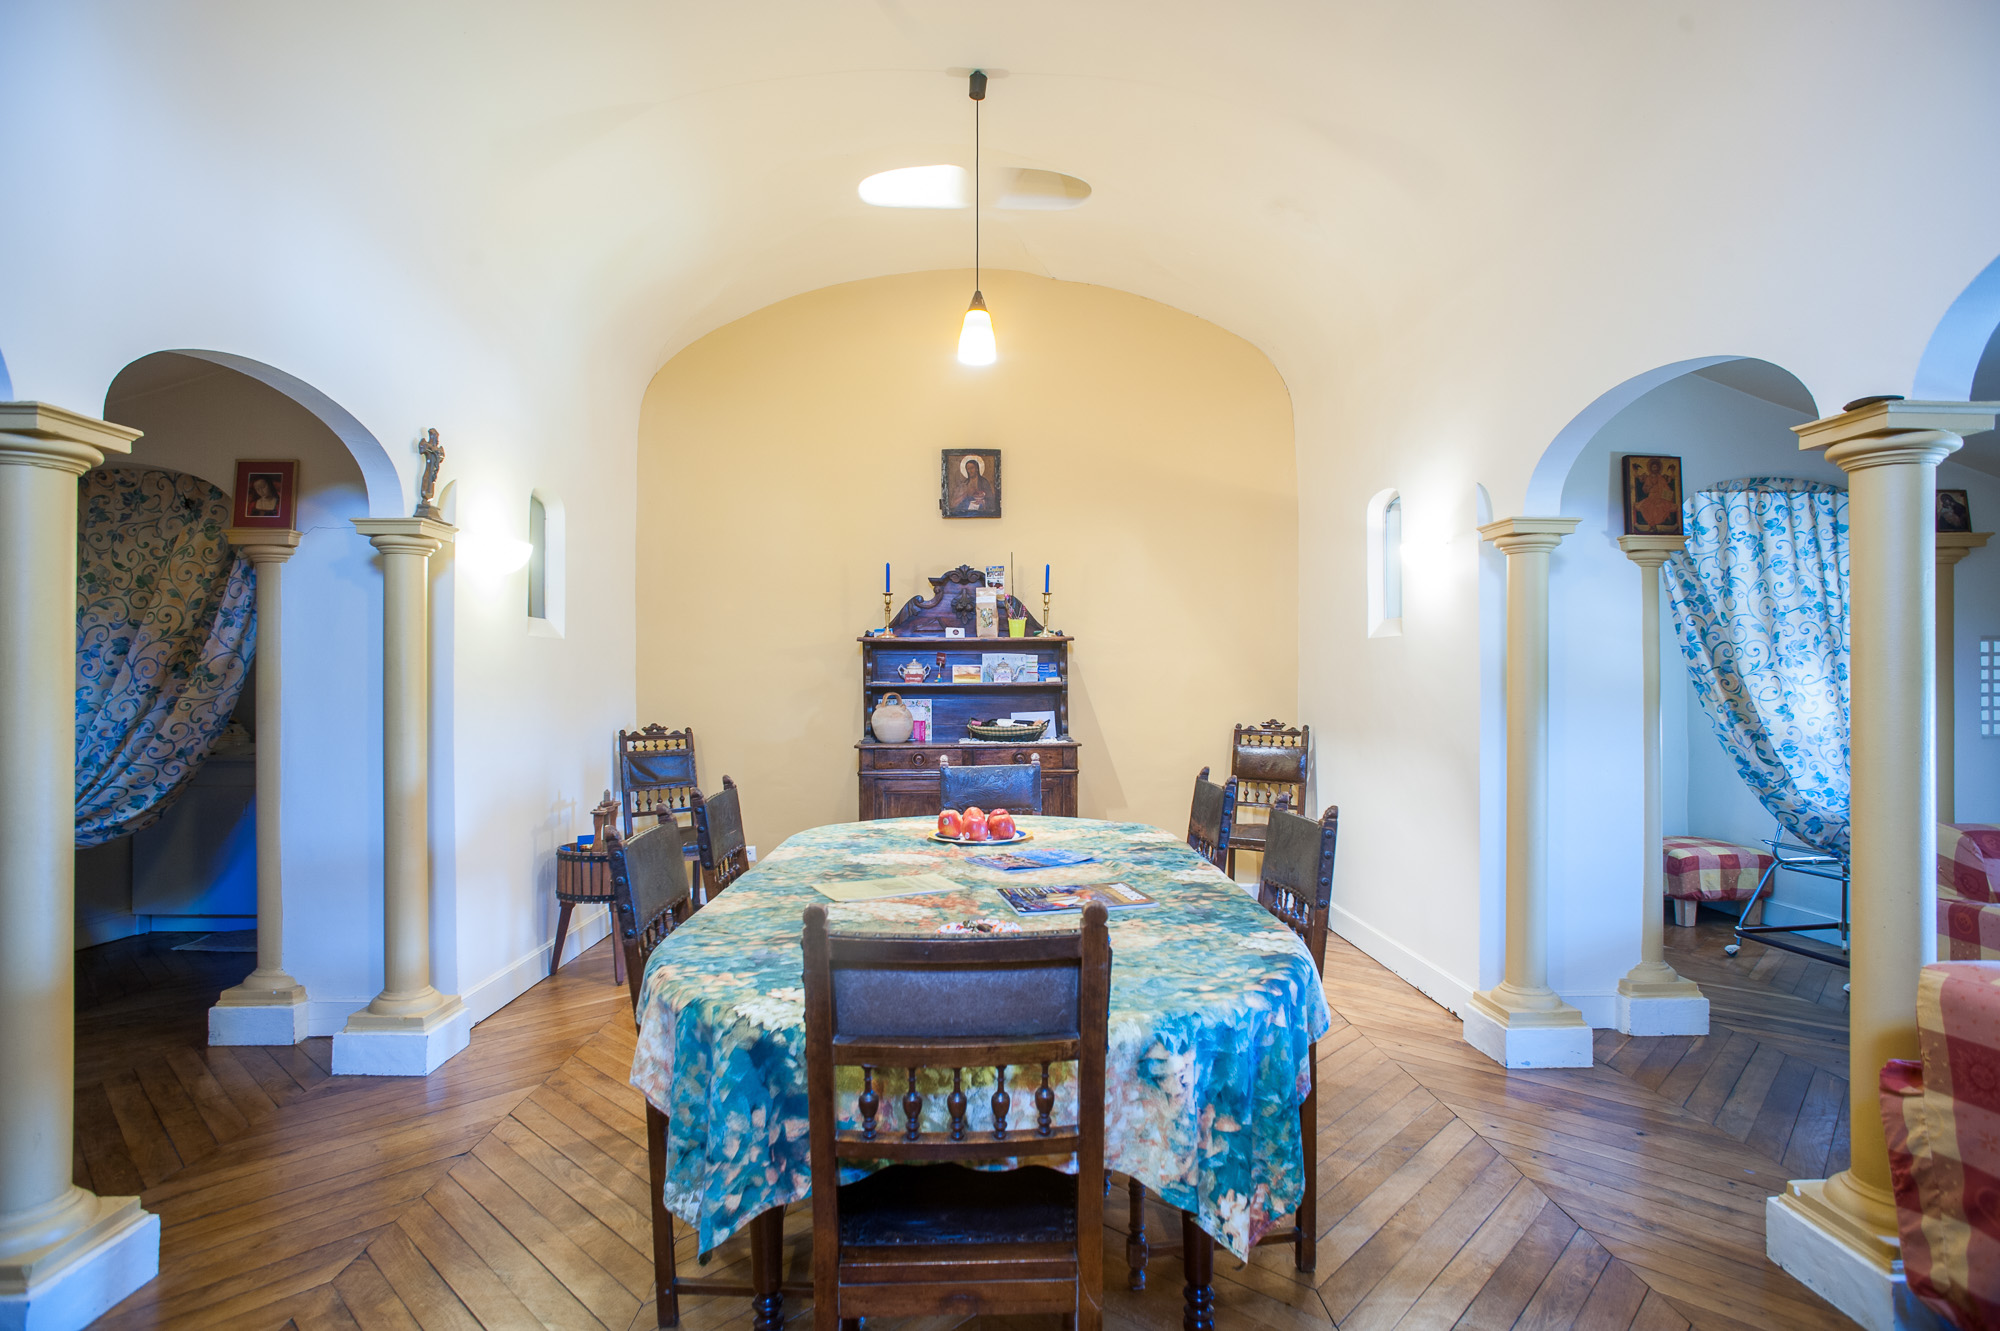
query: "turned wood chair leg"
668, 1303
617, 955
562, 932
1137, 1254
767, 1261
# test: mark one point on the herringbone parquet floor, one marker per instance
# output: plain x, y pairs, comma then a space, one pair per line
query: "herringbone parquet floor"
508, 1190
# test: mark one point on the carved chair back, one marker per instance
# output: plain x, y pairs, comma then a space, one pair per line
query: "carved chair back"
1270, 760
649, 895
656, 776
1296, 884
1211, 817
718, 827
899, 1007
1015, 787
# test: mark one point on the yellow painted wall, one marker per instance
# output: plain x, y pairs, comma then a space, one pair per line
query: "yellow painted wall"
1146, 454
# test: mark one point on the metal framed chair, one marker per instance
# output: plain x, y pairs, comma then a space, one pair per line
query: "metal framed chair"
1211, 818
1269, 762
926, 1235
1296, 886
1016, 787
1813, 863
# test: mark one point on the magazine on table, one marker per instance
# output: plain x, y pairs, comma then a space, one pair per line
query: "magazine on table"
1055, 899
1031, 859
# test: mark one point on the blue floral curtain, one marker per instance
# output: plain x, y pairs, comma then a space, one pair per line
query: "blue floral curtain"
1760, 602
165, 628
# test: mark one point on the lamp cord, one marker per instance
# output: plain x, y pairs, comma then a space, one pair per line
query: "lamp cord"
975, 196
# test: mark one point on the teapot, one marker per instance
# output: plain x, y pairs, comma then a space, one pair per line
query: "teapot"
914, 673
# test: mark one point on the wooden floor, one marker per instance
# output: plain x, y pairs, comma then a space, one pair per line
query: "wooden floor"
508, 1189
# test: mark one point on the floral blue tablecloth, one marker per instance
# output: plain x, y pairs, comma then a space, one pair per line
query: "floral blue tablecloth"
1214, 1008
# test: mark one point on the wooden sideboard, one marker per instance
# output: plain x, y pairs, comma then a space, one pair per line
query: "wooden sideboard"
901, 780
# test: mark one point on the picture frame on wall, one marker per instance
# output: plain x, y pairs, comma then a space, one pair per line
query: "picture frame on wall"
1652, 491
267, 494
1954, 511
970, 483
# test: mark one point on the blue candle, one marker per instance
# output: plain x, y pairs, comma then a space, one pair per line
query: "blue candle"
885, 579
1045, 579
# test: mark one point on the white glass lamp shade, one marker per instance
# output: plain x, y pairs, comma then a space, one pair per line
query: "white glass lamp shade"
492, 553
975, 337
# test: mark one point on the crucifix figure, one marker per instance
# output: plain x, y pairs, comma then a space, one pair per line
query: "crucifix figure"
433, 454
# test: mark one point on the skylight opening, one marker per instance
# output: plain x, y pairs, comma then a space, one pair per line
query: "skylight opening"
918, 187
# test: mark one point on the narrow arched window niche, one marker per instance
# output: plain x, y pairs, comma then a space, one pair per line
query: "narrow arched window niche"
1385, 565
547, 530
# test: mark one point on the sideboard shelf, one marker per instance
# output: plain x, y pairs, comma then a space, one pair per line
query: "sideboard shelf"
901, 780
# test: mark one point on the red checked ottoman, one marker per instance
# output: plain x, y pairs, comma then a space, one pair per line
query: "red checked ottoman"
1699, 870
1968, 892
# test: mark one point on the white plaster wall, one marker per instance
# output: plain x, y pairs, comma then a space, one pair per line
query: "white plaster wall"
332, 807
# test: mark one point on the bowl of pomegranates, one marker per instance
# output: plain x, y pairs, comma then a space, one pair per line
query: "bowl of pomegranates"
978, 827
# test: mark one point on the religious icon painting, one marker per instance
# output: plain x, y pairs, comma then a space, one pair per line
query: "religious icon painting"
267, 494
971, 484
1652, 496
1953, 513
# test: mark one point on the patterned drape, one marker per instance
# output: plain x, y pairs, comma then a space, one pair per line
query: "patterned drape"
1760, 602
165, 629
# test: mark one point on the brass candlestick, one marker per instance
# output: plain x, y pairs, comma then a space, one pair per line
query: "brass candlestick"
885, 611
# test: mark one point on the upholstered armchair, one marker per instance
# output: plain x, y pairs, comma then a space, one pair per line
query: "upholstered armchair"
1943, 1154
1968, 892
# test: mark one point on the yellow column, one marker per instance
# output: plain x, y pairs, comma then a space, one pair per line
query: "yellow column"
410, 1028
1521, 1022
1653, 998
66, 1255
1952, 546
269, 1007
1838, 1235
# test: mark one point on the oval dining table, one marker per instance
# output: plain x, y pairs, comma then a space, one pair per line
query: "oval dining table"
1214, 1009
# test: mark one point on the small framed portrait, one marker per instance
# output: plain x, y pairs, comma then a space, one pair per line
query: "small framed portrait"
267, 494
1652, 495
1953, 513
971, 486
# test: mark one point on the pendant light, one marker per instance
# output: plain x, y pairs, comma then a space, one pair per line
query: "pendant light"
975, 336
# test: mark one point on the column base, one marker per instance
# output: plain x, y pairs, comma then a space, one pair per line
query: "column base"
86, 1275
1552, 1037
1671, 1007
1830, 1256
246, 1015
372, 1045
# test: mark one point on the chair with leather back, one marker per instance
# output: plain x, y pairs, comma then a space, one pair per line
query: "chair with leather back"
1296, 886
925, 1235
1211, 818
1015, 787
649, 897
1269, 761
718, 828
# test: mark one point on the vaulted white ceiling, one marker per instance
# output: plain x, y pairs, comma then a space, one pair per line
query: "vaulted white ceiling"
603, 182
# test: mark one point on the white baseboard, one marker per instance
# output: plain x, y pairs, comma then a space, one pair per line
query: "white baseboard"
1598, 1006
328, 1016
508, 983
1434, 983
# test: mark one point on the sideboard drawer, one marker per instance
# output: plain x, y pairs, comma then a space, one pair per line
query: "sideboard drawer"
1055, 757
903, 757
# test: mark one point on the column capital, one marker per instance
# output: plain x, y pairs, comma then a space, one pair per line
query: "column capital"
1514, 535
263, 545
1953, 546
410, 536
35, 434
1651, 551
1895, 433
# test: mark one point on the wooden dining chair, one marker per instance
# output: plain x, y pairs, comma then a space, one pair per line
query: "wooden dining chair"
1296, 886
1269, 761
1210, 819
1016, 787
925, 1235
649, 897
656, 779
718, 829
